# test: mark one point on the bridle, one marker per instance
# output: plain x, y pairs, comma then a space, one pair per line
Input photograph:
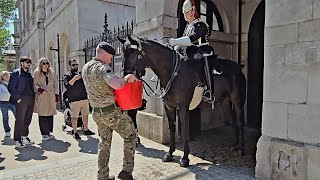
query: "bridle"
175, 59
140, 56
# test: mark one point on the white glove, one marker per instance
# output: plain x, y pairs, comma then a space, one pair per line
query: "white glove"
172, 42
183, 41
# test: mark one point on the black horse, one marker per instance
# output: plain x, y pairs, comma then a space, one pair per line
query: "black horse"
179, 78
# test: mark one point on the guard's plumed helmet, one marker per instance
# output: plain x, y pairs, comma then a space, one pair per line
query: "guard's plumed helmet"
187, 6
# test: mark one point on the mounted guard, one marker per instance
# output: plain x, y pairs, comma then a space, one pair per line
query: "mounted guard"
194, 45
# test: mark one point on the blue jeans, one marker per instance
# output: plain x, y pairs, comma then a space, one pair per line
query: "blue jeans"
5, 114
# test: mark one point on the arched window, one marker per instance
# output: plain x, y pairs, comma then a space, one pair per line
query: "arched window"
208, 12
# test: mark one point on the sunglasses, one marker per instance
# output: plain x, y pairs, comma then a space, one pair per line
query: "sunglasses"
45, 63
28, 62
74, 64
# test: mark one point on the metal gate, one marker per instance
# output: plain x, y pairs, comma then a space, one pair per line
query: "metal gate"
109, 36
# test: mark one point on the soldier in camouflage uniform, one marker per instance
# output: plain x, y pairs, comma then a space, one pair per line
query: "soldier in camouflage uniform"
100, 82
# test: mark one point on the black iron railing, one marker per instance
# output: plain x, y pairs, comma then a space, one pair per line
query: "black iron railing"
109, 36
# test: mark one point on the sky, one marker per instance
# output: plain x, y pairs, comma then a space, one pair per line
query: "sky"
11, 30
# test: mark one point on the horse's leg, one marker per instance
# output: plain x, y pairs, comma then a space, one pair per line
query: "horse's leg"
240, 128
133, 115
171, 114
183, 115
227, 109
238, 97
235, 129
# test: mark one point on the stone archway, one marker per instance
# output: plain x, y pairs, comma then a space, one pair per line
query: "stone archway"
255, 67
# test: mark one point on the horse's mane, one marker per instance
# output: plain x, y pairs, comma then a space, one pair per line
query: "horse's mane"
157, 43
149, 42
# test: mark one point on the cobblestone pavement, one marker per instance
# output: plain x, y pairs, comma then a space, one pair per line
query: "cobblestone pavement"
66, 158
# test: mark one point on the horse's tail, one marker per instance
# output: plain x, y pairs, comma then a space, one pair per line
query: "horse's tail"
242, 85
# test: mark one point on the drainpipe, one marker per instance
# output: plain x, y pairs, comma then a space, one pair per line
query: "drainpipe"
239, 30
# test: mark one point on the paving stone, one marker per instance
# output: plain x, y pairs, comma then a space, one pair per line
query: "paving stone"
148, 164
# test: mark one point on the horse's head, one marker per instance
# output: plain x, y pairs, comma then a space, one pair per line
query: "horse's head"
134, 57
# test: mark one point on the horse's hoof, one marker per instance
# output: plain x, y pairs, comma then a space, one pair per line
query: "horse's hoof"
233, 148
184, 162
167, 158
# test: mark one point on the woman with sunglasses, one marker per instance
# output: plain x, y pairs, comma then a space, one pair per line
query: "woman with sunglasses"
46, 87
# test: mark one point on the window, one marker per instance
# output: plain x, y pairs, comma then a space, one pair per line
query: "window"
210, 14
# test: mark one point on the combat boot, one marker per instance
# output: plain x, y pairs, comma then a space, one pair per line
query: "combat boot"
125, 175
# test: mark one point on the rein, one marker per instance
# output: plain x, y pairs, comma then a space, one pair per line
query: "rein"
174, 73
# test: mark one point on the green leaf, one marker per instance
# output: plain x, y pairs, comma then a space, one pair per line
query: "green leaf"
7, 8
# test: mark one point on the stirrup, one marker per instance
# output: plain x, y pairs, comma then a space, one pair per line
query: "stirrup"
211, 99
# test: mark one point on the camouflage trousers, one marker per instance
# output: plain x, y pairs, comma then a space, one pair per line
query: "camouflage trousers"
123, 125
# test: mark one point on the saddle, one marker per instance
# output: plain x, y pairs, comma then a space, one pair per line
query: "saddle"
217, 65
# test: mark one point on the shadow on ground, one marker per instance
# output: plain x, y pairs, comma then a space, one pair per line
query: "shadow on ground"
7, 141
214, 146
30, 153
1, 160
55, 145
89, 146
152, 153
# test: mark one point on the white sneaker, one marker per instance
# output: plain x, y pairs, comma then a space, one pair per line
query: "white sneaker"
46, 137
8, 134
27, 141
52, 136
19, 144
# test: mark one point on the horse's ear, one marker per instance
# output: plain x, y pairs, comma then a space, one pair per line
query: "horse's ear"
122, 41
130, 39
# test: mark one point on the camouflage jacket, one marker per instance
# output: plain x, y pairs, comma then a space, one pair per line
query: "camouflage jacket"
95, 75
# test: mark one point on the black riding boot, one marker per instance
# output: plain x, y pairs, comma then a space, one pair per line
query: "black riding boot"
209, 93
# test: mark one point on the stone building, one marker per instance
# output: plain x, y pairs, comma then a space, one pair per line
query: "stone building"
246, 48
74, 20
276, 41
9, 58
279, 48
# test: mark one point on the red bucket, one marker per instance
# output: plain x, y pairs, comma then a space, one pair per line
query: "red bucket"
130, 96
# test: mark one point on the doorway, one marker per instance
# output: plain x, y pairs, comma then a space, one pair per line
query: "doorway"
255, 67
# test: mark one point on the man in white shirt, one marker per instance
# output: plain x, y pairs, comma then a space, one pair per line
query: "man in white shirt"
5, 104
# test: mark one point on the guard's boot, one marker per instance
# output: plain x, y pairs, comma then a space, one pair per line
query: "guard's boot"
125, 175
209, 91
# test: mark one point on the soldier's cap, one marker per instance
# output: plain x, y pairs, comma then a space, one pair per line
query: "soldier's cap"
107, 47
